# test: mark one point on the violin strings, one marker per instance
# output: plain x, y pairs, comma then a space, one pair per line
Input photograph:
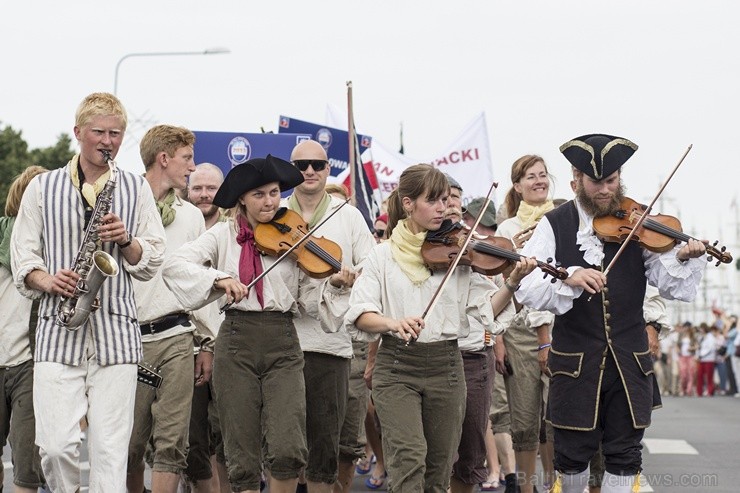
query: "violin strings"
498, 251
507, 254
661, 228
319, 252
322, 254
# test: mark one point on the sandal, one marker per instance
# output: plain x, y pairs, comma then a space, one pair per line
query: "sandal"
363, 466
375, 482
490, 485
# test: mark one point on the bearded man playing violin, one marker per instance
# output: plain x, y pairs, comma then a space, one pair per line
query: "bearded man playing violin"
602, 389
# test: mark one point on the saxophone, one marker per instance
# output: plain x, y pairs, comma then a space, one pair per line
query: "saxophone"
93, 266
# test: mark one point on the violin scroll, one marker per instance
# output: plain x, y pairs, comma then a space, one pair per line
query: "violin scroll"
720, 254
557, 271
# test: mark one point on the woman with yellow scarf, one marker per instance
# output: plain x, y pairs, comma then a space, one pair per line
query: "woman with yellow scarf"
527, 340
418, 382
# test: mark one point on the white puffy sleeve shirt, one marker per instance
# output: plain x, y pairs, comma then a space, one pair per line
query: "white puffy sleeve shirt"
673, 278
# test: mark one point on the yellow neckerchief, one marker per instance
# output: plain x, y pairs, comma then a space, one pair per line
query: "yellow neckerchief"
530, 214
165, 208
406, 251
317, 214
89, 191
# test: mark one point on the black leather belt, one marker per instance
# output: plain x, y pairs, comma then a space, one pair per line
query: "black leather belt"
164, 323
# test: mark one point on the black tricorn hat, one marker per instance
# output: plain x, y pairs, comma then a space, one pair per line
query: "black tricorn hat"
253, 174
598, 155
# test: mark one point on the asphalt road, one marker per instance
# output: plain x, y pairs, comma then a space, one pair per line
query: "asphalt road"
692, 446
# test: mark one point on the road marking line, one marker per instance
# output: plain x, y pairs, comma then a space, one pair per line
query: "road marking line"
666, 446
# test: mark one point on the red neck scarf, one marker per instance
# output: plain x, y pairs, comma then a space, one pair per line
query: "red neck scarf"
250, 264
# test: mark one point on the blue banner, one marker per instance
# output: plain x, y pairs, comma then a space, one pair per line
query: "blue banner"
334, 141
228, 149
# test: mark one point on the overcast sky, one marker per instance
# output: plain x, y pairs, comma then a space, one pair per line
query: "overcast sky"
662, 74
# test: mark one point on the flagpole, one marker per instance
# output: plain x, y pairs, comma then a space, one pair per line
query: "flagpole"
400, 136
352, 141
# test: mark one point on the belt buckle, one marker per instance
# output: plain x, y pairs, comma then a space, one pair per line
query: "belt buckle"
150, 325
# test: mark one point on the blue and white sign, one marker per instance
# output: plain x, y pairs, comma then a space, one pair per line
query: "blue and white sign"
334, 140
229, 149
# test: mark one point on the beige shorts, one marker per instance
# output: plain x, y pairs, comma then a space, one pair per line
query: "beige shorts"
163, 415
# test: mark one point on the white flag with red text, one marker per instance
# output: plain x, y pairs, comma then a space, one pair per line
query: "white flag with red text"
467, 160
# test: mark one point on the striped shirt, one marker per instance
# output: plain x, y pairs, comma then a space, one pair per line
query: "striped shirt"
47, 236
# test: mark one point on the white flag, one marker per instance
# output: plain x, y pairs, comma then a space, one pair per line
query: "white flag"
467, 160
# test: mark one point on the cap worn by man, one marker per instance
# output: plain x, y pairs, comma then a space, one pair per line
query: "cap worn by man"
453, 182
489, 216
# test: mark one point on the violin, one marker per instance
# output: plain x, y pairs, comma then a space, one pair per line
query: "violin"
488, 255
318, 257
657, 233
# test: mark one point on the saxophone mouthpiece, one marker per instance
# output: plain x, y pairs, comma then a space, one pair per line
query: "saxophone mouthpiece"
106, 155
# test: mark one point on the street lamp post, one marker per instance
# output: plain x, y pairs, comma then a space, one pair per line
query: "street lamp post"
207, 51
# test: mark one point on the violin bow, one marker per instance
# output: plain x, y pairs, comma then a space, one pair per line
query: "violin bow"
459, 255
286, 253
645, 213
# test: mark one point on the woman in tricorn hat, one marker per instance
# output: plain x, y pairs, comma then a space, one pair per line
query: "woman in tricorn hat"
258, 363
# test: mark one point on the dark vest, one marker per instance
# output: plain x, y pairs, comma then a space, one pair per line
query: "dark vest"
584, 336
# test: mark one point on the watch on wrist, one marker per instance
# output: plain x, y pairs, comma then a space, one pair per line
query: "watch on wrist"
511, 288
127, 243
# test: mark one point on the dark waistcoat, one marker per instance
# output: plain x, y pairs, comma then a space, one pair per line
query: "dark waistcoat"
610, 325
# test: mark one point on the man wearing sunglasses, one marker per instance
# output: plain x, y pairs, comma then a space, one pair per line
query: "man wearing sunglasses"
327, 351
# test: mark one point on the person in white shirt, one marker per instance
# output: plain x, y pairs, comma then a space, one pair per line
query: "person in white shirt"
162, 416
602, 388
526, 343
91, 369
17, 422
476, 350
327, 351
205, 452
706, 357
418, 381
258, 366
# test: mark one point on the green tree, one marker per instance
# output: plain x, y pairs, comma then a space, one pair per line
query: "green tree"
15, 157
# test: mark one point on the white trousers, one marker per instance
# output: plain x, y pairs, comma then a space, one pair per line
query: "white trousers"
62, 395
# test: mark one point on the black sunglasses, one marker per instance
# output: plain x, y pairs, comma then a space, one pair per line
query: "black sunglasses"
316, 164
379, 233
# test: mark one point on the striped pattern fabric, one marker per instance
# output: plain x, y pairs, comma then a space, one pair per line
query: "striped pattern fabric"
114, 326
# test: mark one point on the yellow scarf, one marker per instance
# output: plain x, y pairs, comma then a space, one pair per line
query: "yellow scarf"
165, 208
90, 192
317, 214
530, 214
406, 251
